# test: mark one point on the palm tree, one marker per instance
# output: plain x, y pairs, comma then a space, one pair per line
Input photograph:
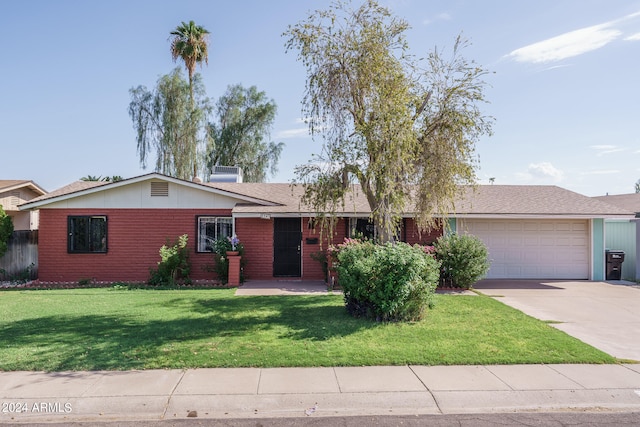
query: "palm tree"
190, 43
92, 178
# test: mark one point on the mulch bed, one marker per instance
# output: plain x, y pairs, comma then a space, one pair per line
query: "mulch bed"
37, 284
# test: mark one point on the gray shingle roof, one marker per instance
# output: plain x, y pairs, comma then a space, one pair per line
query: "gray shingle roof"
74, 187
483, 200
532, 200
630, 202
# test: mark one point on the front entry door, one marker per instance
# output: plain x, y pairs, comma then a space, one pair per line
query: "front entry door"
287, 241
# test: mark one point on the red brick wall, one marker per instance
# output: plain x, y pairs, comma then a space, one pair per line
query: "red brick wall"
135, 236
412, 235
257, 236
134, 239
312, 269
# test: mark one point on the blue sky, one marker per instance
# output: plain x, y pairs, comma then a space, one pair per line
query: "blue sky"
563, 90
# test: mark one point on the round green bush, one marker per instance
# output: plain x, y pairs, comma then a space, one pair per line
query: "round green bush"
464, 260
391, 282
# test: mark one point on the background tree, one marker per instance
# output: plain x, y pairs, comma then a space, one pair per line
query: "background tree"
240, 136
91, 178
113, 178
6, 231
637, 186
404, 129
190, 43
166, 122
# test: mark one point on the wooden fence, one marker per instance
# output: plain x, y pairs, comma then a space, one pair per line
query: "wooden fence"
21, 258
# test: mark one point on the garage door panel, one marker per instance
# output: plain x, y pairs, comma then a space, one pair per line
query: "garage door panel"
548, 241
580, 226
515, 242
497, 226
579, 241
534, 249
547, 226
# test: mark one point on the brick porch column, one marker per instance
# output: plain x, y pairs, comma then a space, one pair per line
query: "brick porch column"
234, 270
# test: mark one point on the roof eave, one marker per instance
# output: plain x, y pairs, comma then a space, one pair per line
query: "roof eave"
23, 184
142, 178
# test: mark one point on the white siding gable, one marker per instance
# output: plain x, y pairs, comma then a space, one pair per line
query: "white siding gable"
138, 195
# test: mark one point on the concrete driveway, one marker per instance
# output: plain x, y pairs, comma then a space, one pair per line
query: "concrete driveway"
605, 315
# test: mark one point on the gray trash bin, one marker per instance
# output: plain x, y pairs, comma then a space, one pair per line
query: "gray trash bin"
614, 264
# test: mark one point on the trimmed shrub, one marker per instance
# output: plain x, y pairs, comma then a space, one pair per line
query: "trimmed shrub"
464, 260
391, 282
173, 264
6, 231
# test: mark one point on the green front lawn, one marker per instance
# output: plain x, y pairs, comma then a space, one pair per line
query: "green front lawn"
95, 329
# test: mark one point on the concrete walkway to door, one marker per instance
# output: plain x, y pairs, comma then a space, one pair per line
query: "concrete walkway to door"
605, 315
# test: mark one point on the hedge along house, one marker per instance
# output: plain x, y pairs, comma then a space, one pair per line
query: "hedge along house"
113, 231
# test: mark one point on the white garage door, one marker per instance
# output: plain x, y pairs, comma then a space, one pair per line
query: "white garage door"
534, 249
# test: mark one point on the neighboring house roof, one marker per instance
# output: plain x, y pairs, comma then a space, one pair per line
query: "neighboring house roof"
518, 201
14, 184
630, 202
70, 189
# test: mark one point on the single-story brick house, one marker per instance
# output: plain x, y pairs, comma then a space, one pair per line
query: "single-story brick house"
112, 231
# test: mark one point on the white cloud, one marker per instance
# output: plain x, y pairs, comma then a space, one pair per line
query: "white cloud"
293, 133
567, 45
573, 43
553, 67
606, 149
444, 16
545, 170
296, 132
602, 172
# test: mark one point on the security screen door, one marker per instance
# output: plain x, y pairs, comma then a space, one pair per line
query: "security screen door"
287, 241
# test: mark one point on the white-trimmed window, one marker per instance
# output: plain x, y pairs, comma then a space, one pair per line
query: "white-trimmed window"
361, 227
211, 228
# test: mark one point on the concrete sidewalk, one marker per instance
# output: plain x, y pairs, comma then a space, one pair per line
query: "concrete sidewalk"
28, 397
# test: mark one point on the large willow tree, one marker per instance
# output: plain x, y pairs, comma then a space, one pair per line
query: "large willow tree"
240, 135
404, 129
168, 123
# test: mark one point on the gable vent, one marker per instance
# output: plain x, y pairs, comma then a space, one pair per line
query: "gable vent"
159, 188
14, 198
